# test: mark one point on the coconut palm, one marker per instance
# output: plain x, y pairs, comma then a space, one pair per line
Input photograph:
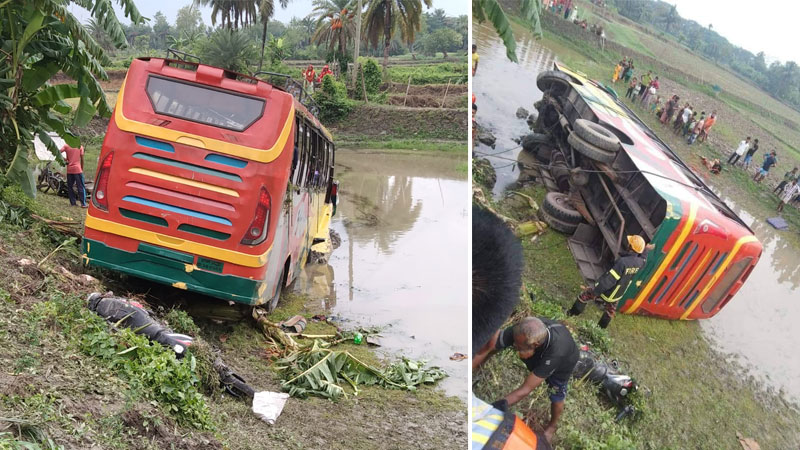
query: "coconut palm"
384, 17
234, 13
229, 49
335, 24
491, 10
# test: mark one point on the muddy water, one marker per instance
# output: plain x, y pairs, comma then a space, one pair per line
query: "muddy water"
758, 328
402, 265
500, 87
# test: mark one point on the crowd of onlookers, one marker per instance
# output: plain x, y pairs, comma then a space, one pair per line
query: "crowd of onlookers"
695, 127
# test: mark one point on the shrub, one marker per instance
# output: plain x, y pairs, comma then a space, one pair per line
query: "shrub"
332, 100
372, 79
14, 196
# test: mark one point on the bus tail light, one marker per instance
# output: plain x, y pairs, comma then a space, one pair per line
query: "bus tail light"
257, 231
100, 197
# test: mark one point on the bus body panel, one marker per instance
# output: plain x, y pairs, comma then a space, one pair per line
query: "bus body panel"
181, 195
703, 252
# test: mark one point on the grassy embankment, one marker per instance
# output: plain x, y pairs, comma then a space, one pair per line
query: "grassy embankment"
65, 377
692, 396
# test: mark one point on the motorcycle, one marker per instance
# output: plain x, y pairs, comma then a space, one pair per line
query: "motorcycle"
614, 385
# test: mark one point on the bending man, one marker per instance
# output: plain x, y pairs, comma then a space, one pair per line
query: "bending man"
550, 354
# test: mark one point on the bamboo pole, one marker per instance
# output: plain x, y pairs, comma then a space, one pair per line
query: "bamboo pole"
407, 88
445, 93
363, 84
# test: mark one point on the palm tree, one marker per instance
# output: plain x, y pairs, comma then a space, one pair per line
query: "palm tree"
384, 17
491, 10
229, 49
235, 13
334, 22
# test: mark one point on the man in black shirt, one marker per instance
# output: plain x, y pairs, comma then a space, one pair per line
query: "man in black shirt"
548, 351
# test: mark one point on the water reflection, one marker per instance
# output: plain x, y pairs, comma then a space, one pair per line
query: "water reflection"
402, 265
501, 87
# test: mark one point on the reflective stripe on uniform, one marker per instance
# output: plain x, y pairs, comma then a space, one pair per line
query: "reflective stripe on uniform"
614, 274
483, 429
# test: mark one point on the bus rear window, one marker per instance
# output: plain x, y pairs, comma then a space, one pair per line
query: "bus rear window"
204, 105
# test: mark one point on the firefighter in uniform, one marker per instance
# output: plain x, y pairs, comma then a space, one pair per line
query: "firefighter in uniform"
612, 285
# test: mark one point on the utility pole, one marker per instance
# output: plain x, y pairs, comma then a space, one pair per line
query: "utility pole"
357, 42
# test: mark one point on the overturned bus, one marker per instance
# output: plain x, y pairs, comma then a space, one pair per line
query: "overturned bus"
608, 176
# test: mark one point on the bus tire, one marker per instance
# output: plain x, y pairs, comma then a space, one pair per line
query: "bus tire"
558, 206
273, 302
531, 141
596, 134
590, 151
558, 225
549, 79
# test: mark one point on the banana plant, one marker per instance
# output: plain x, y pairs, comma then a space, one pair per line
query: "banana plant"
491, 10
38, 39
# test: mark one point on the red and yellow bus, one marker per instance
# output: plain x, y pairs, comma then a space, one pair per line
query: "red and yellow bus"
617, 178
211, 181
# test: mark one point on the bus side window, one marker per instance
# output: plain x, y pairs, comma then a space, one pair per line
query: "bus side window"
298, 172
295, 150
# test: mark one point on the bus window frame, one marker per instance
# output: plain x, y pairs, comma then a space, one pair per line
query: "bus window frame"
263, 102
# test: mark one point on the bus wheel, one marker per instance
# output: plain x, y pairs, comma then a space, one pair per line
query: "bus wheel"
590, 151
596, 134
558, 206
531, 141
273, 303
557, 224
553, 79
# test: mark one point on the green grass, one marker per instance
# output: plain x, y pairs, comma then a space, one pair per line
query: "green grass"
404, 144
439, 73
688, 392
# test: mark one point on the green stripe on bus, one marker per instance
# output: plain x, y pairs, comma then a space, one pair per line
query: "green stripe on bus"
169, 271
203, 231
135, 215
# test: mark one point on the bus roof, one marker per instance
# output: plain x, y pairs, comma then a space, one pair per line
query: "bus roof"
662, 168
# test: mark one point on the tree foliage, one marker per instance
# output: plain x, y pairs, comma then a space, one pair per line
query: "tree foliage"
781, 80
442, 40
41, 38
229, 49
384, 17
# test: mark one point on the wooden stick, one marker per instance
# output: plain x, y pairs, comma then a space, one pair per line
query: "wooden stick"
363, 84
445, 93
407, 88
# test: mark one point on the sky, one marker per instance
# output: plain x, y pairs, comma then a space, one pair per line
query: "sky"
296, 8
766, 26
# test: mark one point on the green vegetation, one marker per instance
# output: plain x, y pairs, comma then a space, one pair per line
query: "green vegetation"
429, 73
491, 10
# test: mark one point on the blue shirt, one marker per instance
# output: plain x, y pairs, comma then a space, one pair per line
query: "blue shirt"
769, 162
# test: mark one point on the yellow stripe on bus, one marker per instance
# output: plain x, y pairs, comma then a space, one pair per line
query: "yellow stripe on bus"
228, 148
186, 181
665, 262
689, 280
718, 273
196, 248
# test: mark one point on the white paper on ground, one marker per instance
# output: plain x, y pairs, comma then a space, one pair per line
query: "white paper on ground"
268, 405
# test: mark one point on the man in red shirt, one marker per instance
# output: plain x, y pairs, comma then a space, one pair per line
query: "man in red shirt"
75, 174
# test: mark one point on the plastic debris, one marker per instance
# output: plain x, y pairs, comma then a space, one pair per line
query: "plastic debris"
458, 357
778, 222
269, 405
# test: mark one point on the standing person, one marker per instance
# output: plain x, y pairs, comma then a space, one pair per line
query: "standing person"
748, 157
628, 71
769, 161
325, 71
649, 95
75, 174
612, 285
617, 72
670, 109
789, 193
645, 82
631, 88
787, 177
475, 59
696, 130
685, 116
655, 105
740, 150
707, 126
308, 78
690, 124
550, 354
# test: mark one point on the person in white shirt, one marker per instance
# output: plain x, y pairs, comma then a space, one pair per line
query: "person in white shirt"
743, 146
789, 192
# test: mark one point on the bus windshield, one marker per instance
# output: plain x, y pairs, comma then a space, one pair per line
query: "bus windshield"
202, 104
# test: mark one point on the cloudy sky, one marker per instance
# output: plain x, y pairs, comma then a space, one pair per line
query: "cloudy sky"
297, 8
767, 26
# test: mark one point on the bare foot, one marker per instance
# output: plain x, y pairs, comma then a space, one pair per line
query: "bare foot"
548, 434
